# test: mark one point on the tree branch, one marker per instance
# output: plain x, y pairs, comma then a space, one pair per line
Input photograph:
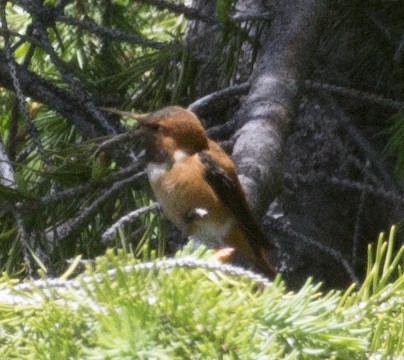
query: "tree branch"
128, 218
207, 100
7, 179
45, 92
282, 65
70, 226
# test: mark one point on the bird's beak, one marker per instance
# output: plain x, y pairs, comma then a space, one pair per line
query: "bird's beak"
138, 131
122, 113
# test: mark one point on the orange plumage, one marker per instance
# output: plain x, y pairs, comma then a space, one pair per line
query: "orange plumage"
196, 183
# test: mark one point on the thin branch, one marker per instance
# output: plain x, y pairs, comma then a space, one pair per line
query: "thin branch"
363, 144
187, 11
356, 94
236, 90
128, 218
243, 17
83, 188
223, 130
24, 293
71, 225
84, 99
278, 225
7, 178
11, 64
45, 92
358, 225
13, 127
321, 177
114, 34
366, 170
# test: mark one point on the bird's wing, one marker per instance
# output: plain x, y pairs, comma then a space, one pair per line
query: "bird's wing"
225, 183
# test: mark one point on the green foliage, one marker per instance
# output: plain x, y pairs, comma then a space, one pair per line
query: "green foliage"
182, 313
125, 74
395, 146
223, 8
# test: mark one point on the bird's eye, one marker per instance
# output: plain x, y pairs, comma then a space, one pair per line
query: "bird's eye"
152, 126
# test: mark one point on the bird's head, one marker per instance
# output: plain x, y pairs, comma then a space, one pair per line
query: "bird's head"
171, 131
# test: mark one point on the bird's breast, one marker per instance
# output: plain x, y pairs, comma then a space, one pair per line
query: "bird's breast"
181, 188
155, 170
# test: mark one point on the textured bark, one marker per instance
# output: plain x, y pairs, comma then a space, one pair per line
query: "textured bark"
202, 37
55, 98
282, 64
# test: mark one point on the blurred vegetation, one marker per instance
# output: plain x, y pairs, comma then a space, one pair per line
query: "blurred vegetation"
64, 199
130, 55
57, 178
124, 54
121, 310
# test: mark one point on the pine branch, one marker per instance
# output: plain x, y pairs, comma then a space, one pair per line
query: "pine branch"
70, 226
236, 90
84, 188
187, 11
113, 34
128, 218
7, 179
356, 94
45, 92
277, 225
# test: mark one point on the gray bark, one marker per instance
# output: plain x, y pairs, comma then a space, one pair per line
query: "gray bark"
282, 65
202, 37
43, 91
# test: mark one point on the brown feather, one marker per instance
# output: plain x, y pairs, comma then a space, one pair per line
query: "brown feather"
191, 175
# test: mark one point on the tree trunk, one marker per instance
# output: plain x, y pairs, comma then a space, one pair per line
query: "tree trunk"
282, 65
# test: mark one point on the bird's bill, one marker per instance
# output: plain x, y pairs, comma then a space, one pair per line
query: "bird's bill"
128, 114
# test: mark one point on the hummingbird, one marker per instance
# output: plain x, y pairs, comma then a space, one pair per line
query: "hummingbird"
197, 186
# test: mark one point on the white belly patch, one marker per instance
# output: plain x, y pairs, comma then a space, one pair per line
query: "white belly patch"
156, 170
211, 234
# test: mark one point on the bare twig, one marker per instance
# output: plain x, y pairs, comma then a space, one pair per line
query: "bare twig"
319, 176
71, 225
123, 113
243, 17
358, 225
280, 226
366, 170
363, 144
126, 218
356, 94
82, 188
188, 12
13, 127
114, 34
231, 91
7, 178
